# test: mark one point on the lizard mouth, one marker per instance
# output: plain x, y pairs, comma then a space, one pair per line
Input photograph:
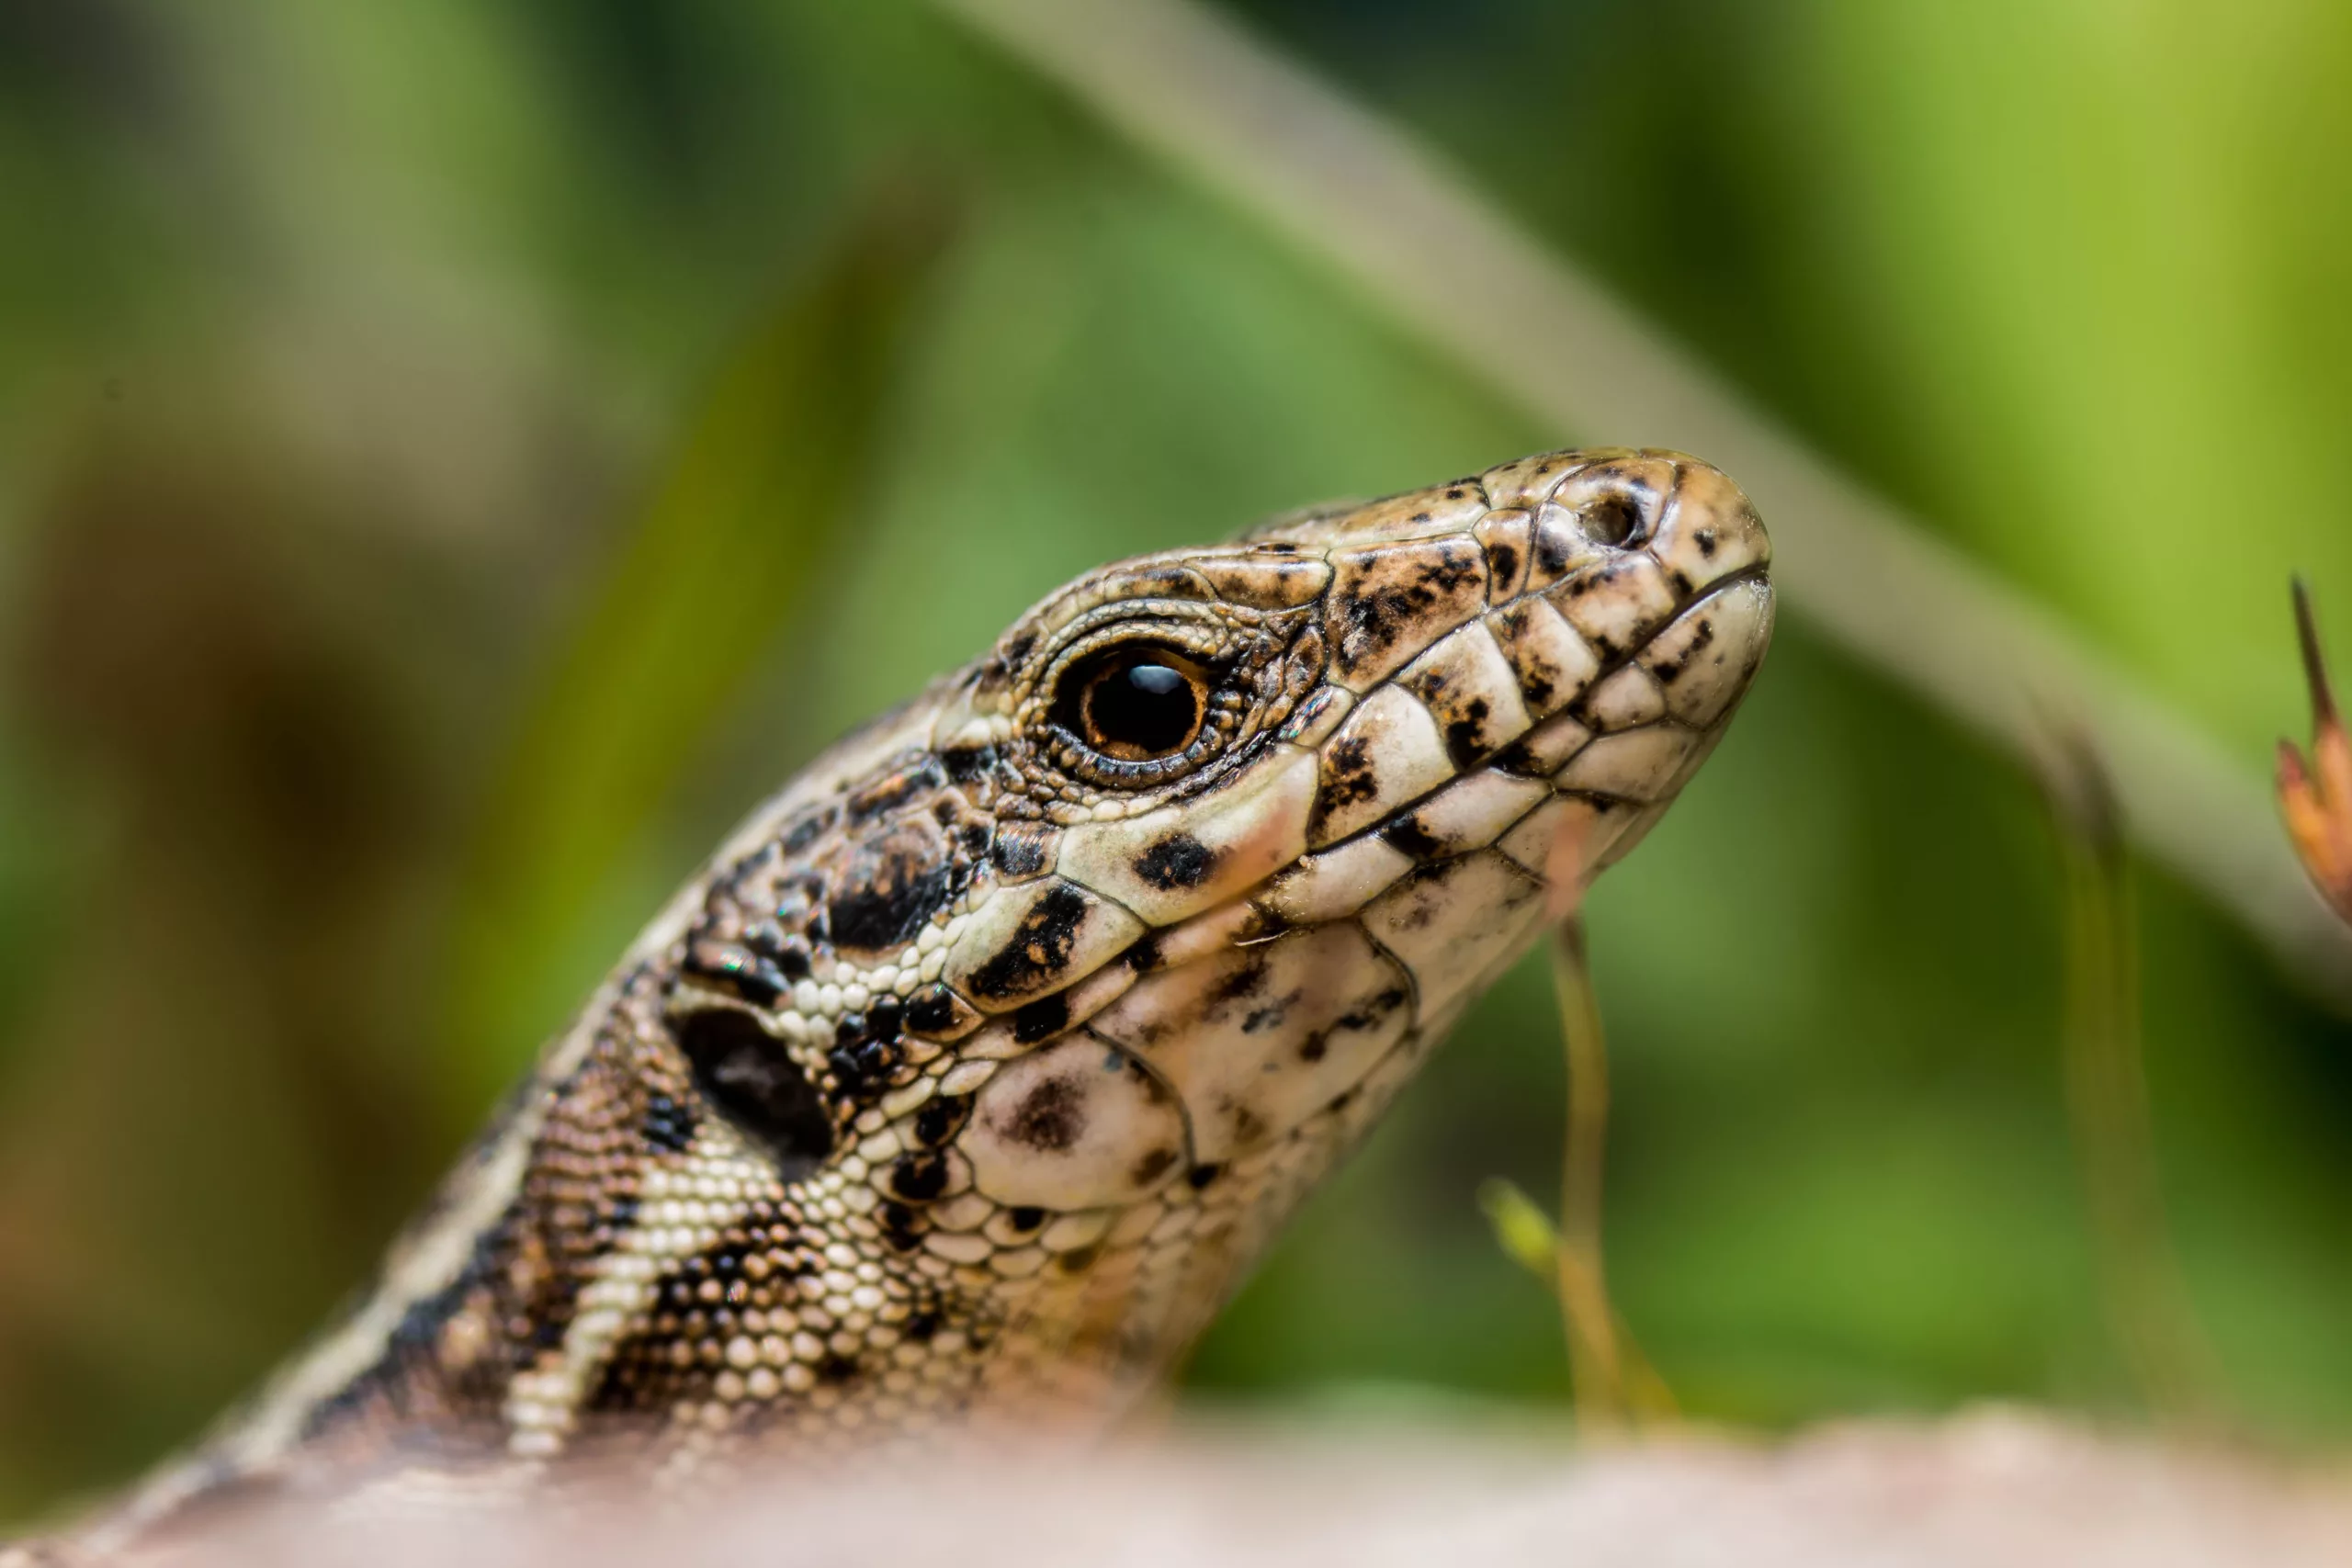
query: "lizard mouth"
1603, 767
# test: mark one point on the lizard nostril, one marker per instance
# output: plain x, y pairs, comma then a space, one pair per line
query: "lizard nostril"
1619, 501
1615, 517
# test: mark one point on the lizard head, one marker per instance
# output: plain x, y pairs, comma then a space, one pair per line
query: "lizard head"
1074, 976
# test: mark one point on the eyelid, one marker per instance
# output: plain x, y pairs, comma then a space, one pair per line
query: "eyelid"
1178, 630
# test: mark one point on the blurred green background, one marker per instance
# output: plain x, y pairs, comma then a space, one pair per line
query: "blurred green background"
454, 457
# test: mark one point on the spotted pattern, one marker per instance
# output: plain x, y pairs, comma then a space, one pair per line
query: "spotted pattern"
964, 1084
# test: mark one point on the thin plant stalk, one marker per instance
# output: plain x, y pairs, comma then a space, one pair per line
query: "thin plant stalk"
1594, 1357
2144, 1296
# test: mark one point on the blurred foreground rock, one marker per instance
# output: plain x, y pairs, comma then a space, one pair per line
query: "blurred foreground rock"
1993, 1488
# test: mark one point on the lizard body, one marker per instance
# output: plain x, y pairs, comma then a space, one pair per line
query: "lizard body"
966, 1081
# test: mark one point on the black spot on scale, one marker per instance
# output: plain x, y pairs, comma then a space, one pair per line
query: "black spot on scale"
1024, 849
965, 763
902, 1227
1554, 550
1466, 734
941, 1118
1039, 949
1051, 1117
666, 1124
736, 970
1177, 861
1516, 758
1706, 542
1025, 1218
1143, 955
1352, 777
918, 776
1457, 565
863, 1068
1670, 671
804, 832
890, 885
1200, 1175
1369, 1014
919, 1177
931, 1012
790, 955
1408, 835
751, 1081
1247, 979
1041, 1020
1503, 561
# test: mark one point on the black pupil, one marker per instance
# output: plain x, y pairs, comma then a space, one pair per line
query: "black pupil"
1142, 709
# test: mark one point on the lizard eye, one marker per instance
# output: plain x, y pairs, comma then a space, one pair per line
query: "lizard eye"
1136, 704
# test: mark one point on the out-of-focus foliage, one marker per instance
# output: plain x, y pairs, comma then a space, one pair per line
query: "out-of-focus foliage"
344, 350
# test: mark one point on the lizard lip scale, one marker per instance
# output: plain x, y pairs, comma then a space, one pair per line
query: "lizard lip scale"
964, 1083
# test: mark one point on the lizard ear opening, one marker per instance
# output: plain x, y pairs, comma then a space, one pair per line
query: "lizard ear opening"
749, 1078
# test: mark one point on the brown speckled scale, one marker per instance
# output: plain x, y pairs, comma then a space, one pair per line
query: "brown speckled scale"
967, 1078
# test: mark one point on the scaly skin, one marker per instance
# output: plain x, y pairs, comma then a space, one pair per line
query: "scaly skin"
963, 1085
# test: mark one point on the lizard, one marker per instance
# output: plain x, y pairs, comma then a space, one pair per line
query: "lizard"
966, 1081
